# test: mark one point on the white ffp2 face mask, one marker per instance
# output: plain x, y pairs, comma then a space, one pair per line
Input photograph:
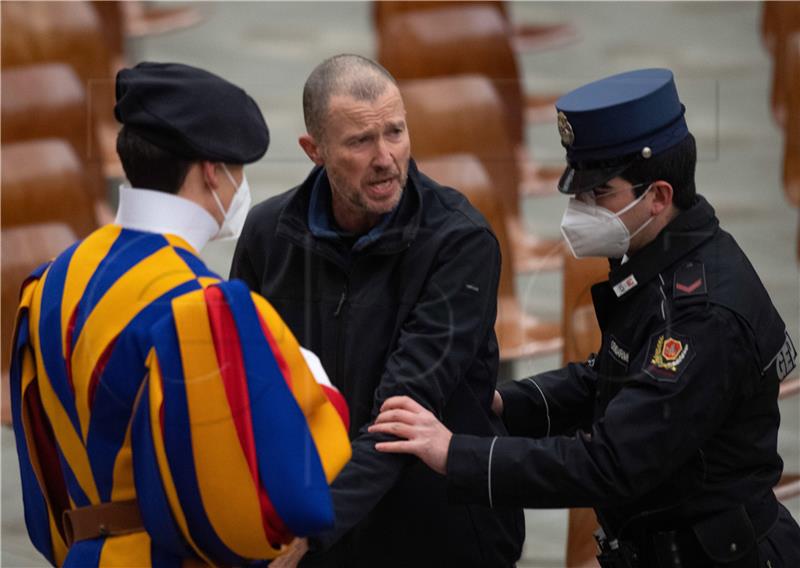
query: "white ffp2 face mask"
236, 214
591, 230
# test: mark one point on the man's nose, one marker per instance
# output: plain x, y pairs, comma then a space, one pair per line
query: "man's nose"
383, 155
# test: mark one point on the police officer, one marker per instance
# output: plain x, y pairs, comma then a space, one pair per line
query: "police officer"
669, 432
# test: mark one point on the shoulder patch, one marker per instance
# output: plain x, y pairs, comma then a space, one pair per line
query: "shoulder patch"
668, 355
785, 360
690, 280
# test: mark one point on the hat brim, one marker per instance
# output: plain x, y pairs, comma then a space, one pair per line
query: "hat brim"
574, 181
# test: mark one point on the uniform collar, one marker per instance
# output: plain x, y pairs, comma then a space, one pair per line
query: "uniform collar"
684, 233
160, 212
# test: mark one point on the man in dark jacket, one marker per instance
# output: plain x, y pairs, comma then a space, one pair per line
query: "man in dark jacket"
670, 431
392, 280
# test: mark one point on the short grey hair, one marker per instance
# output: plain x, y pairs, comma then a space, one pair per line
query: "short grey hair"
345, 74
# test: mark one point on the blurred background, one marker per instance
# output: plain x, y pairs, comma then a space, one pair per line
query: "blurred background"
478, 80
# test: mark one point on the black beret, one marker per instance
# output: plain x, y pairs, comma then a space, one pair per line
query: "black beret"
190, 112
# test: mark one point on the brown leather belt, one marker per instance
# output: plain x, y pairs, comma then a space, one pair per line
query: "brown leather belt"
106, 519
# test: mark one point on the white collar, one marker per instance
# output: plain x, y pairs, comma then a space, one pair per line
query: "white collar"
160, 212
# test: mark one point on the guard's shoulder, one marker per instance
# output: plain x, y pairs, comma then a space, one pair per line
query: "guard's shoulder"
689, 283
719, 277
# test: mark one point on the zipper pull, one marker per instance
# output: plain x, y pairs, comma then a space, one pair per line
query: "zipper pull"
341, 303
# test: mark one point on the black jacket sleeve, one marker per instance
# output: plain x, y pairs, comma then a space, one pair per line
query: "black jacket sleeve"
437, 344
242, 266
549, 404
649, 429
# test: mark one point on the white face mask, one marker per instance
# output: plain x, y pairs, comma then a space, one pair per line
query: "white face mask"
234, 218
591, 230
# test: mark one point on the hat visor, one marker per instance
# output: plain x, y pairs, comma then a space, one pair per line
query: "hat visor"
574, 181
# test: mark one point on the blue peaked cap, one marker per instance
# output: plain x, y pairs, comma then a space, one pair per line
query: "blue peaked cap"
608, 124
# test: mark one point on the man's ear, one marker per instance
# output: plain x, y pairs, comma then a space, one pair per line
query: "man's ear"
311, 148
662, 196
210, 172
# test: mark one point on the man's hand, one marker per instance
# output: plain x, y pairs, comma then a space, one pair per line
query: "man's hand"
294, 553
497, 404
425, 437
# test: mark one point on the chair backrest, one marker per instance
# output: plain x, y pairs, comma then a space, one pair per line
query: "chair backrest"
44, 181
466, 173
581, 331
47, 100
64, 32
384, 10
463, 114
787, 22
791, 134
113, 26
456, 41
23, 249
770, 12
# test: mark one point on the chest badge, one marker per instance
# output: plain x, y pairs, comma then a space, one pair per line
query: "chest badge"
626, 285
669, 356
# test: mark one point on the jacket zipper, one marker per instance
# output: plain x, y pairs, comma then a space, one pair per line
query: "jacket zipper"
340, 356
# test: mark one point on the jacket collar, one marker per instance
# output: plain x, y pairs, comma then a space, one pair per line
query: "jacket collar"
684, 233
304, 227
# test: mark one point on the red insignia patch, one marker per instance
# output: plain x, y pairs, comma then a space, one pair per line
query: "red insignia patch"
669, 355
672, 349
688, 289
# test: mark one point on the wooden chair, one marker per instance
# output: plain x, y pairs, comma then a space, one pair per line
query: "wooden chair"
47, 100
786, 23
464, 114
44, 181
770, 12
70, 33
23, 249
581, 337
470, 40
519, 334
524, 37
791, 148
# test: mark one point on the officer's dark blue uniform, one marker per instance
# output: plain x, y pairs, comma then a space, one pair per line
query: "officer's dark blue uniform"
670, 431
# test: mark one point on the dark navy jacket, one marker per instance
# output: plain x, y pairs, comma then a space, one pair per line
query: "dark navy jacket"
674, 420
408, 310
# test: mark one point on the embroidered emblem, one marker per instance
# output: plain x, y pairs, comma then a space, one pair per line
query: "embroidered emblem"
670, 355
565, 130
625, 286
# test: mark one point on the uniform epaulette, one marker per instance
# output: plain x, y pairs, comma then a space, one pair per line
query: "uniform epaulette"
690, 282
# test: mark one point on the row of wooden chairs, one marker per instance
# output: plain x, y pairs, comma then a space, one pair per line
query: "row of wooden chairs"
58, 136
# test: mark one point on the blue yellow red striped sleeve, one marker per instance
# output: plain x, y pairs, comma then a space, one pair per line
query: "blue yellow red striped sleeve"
234, 441
44, 492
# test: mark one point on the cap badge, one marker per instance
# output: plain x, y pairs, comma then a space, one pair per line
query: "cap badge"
565, 130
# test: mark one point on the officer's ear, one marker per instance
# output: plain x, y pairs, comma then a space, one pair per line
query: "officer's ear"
662, 197
311, 147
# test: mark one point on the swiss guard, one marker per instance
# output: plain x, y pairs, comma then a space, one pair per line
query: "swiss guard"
162, 415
